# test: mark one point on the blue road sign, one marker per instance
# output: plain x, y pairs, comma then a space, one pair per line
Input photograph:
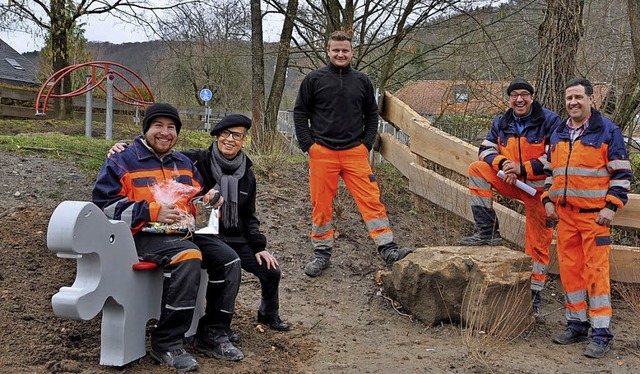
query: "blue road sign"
205, 94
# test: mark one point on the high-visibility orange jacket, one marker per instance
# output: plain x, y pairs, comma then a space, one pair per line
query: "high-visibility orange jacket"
123, 186
504, 142
592, 172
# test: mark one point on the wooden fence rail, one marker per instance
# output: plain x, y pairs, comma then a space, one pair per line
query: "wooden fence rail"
430, 143
21, 103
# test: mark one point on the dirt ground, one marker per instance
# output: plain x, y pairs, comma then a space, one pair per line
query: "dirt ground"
341, 322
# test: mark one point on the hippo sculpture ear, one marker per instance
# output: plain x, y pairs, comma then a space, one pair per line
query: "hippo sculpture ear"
105, 280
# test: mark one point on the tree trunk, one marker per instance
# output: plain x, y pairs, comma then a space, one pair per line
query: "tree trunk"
280, 74
333, 16
627, 106
260, 134
558, 38
59, 55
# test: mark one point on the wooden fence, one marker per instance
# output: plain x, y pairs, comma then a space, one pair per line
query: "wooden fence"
21, 103
432, 144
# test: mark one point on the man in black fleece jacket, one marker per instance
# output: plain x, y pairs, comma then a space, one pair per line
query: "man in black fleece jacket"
336, 120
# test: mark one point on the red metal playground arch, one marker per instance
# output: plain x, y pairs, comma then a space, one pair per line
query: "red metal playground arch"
102, 74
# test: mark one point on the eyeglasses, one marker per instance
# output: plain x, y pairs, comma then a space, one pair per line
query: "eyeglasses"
236, 135
524, 96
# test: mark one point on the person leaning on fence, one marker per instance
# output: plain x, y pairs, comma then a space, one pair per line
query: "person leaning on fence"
124, 191
336, 121
588, 179
516, 144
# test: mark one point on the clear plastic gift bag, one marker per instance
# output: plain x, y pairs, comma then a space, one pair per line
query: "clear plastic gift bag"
174, 193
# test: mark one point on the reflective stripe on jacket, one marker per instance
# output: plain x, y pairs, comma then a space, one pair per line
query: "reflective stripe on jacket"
123, 186
529, 148
591, 173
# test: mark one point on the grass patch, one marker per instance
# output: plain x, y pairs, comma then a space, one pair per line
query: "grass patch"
87, 153
190, 139
268, 165
393, 186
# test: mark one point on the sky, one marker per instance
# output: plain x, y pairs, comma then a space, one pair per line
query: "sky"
112, 30
98, 29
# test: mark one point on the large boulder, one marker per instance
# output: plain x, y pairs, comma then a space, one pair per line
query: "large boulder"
485, 288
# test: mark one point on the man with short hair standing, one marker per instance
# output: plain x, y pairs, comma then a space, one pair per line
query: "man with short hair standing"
336, 120
516, 145
588, 178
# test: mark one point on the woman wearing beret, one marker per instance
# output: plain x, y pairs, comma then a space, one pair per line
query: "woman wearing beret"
225, 167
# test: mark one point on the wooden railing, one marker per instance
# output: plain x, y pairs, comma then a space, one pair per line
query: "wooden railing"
432, 144
21, 103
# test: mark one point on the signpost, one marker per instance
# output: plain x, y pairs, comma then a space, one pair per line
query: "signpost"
206, 95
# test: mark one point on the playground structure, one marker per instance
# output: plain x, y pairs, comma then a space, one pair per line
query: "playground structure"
102, 76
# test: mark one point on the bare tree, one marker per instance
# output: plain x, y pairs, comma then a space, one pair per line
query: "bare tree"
58, 18
627, 108
558, 37
382, 31
280, 71
208, 47
257, 74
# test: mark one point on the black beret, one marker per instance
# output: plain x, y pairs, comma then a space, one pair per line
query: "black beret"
232, 120
160, 110
519, 84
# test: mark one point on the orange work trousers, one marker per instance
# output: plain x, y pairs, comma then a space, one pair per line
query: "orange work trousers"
326, 166
538, 235
583, 255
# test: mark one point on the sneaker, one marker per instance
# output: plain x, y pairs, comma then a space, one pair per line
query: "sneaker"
479, 238
274, 323
597, 349
178, 359
395, 255
316, 266
215, 343
569, 336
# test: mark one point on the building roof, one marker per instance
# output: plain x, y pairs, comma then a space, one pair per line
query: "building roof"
431, 98
436, 97
15, 69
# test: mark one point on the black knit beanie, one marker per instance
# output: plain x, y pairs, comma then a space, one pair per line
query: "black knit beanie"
519, 84
161, 110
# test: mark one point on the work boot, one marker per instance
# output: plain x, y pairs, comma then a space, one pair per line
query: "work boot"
391, 255
215, 343
570, 336
232, 335
482, 238
274, 323
316, 266
178, 359
597, 349
536, 299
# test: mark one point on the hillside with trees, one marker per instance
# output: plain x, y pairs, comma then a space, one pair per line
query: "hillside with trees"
211, 45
